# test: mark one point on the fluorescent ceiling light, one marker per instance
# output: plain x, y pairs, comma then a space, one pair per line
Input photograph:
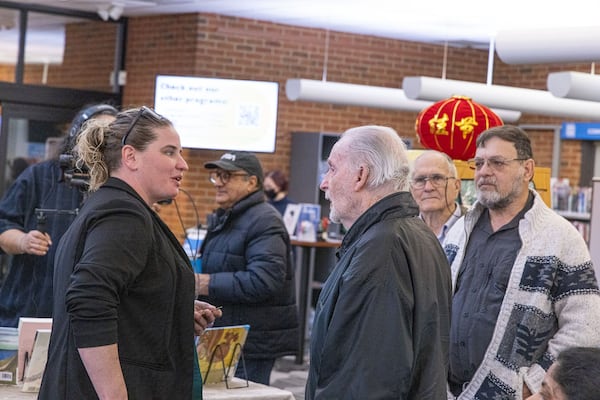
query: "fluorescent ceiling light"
366, 96
539, 102
574, 85
549, 45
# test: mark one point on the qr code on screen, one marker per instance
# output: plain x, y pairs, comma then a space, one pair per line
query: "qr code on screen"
248, 115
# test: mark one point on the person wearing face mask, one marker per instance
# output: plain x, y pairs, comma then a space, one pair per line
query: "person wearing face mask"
276, 186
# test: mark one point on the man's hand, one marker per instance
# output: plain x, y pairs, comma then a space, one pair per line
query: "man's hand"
204, 315
15, 241
35, 242
526, 391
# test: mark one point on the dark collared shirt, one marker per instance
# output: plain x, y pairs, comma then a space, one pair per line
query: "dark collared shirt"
480, 289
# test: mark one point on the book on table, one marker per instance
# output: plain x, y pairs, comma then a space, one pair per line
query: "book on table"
9, 341
27, 329
302, 221
307, 226
219, 351
290, 218
36, 363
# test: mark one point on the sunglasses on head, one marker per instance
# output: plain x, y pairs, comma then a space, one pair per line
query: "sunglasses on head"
142, 111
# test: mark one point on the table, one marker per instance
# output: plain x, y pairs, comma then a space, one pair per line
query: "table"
216, 391
305, 272
13, 392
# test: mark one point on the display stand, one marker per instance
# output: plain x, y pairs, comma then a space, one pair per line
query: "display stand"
218, 350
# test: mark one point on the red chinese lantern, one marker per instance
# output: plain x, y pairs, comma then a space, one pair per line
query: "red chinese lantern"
452, 126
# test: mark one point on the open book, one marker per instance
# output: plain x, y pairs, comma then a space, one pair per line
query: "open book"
219, 350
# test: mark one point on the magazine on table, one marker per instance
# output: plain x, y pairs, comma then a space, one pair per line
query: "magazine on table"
219, 351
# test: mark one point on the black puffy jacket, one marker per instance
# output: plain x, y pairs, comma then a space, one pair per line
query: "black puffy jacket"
247, 253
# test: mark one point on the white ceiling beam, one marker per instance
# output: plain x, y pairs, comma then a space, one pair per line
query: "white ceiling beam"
550, 45
350, 94
574, 85
532, 101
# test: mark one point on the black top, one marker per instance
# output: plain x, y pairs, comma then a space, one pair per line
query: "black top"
122, 277
281, 205
381, 326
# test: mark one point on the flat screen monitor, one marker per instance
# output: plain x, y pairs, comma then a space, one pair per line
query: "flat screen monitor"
220, 114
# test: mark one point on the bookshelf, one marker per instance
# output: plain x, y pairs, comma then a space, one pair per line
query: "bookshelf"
574, 204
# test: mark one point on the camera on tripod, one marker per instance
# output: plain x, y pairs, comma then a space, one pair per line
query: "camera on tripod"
71, 174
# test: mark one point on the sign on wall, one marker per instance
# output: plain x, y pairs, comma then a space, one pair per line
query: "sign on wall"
580, 130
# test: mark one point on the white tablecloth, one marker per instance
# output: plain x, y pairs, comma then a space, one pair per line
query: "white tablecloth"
219, 391
216, 391
13, 392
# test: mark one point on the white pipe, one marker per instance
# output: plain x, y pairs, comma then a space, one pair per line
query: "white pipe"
351, 94
490, 70
525, 100
366, 96
574, 85
556, 45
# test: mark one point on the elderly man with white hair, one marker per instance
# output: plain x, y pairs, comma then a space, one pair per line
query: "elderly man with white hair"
381, 325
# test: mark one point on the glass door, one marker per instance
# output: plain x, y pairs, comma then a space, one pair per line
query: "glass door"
29, 134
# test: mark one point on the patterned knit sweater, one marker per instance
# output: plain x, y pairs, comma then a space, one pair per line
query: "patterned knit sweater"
552, 302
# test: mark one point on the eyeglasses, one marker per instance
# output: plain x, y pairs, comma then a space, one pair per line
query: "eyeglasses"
224, 176
495, 163
435, 179
143, 110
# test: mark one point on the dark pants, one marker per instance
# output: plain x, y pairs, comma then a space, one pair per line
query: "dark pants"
257, 370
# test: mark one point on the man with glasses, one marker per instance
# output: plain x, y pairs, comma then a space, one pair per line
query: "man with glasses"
524, 284
247, 265
435, 186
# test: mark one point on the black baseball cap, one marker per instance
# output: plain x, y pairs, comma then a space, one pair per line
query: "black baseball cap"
238, 160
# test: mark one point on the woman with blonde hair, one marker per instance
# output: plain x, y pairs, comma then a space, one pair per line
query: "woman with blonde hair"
125, 315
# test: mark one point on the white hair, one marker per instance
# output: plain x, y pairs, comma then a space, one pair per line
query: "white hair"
384, 153
449, 162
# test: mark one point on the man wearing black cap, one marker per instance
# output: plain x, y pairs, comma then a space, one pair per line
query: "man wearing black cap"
247, 265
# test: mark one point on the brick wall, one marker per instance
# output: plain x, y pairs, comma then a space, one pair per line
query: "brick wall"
88, 59
227, 47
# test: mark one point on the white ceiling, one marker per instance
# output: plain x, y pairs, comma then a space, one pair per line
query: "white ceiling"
473, 23
468, 22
